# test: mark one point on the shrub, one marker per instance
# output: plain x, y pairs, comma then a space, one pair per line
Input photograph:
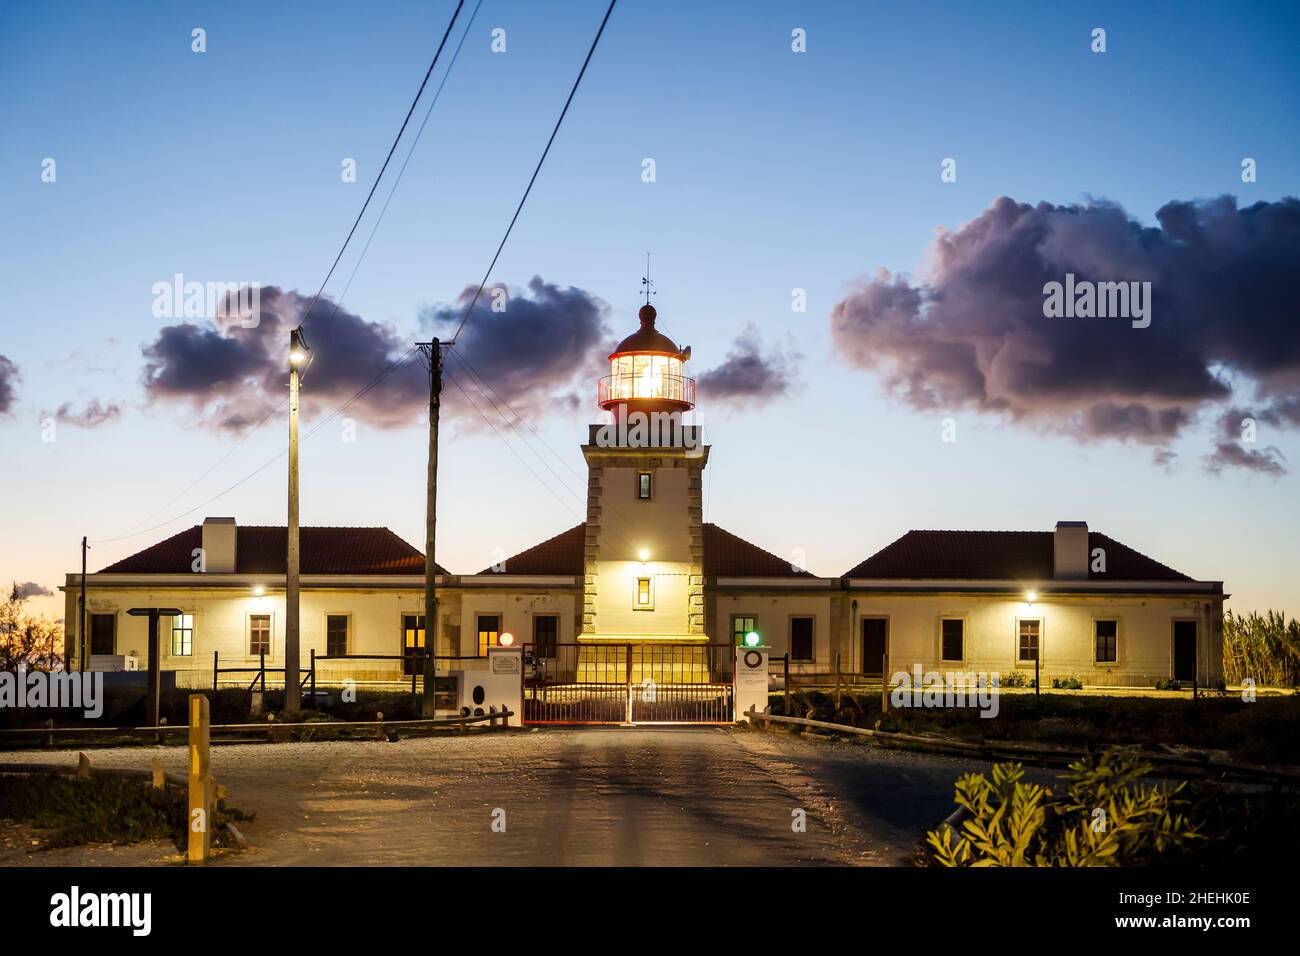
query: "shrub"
1168, 683
1067, 683
1106, 817
1014, 679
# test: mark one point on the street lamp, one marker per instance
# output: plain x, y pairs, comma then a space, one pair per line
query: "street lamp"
299, 359
752, 639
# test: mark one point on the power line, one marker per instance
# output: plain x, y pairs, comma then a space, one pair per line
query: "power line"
392, 149
523, 199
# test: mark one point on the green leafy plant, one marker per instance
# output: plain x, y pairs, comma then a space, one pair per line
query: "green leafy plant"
1106, 816
1168, 683
1067, 683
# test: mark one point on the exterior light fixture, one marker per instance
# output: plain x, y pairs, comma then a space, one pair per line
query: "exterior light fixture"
298, 350
506, 639
1031, 597
752, 639
644, 555
259, 590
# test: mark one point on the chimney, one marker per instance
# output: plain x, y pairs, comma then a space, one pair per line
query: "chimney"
1070, 550
219, 536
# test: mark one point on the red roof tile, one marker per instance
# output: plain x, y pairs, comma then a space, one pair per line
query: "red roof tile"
262, 550
725, 555
999, 556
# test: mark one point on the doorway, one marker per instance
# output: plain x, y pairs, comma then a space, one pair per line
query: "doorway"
875, 644
1185, 650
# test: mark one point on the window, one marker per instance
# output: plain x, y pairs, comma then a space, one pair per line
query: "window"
183, 635
102, 633
259, 634
740, 626
1107, 634
546, 631
954, 633
489, 632
336, 635
801, 638
1029, 631
645, 598
643, 485
412, 644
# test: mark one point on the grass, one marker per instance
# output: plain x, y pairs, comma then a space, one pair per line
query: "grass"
104, 810
1265, 731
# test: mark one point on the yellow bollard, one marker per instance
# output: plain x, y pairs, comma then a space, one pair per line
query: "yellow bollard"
199, 783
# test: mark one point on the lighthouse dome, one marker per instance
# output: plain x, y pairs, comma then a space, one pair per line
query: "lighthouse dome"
647, 339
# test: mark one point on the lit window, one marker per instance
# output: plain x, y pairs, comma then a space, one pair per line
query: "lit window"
336, 635
1107, 633
489, 632
1029, 631
183, 635
644, 595
259, 634
740, 626
643, 485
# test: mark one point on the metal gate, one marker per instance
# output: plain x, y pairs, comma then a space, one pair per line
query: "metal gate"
626, 683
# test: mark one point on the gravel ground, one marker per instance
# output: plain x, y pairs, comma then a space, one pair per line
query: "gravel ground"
662, 797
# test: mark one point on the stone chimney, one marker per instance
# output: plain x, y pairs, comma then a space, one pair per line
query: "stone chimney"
1070, 550
219, 539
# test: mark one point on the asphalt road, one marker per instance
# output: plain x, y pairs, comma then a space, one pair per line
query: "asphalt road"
671, 797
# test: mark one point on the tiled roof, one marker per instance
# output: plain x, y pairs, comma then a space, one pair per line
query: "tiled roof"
725, 555
262, 549
999, 556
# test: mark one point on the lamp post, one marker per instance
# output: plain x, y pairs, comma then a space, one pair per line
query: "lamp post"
298, 359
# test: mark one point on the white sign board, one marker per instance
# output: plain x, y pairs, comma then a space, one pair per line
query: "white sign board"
751, 680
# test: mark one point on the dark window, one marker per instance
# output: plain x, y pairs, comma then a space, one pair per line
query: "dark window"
1029, 640
954, 630
546, 630
489, 632
740, 626
336, 635
103, 629
412, 644
643, 485
259, 634
801, 638
1107, 641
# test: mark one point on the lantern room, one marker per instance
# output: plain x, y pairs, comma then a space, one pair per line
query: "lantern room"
646, 371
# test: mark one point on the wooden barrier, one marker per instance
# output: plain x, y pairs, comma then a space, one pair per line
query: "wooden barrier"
200, 782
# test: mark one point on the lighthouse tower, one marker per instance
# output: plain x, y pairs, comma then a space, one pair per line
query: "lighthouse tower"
644, 549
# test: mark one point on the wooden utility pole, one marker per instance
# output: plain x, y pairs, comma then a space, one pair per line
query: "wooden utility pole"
432, 352
83, 650
292, 685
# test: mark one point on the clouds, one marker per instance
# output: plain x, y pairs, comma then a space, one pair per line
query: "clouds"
91, 415
539, 349
542, 341
9, 377
973, 334
747, 376
232, 376
29, 589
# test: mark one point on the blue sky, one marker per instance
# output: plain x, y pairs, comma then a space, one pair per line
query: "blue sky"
775, 170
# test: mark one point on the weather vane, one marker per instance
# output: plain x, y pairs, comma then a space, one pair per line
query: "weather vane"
647, 284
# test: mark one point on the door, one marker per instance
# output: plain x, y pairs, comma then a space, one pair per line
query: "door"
1185, 650
875, 642
412, 644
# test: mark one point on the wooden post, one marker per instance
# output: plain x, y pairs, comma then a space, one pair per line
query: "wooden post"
83, 767
786, 682
627, 680
313, 678
159, 778
262, 673
82, 639
200, 815
432, 351
216, 669
884, 684
49, 738
1037, 683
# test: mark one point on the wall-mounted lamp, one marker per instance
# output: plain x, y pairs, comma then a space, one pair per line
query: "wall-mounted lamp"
644, 555
259, 591
1031, 597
